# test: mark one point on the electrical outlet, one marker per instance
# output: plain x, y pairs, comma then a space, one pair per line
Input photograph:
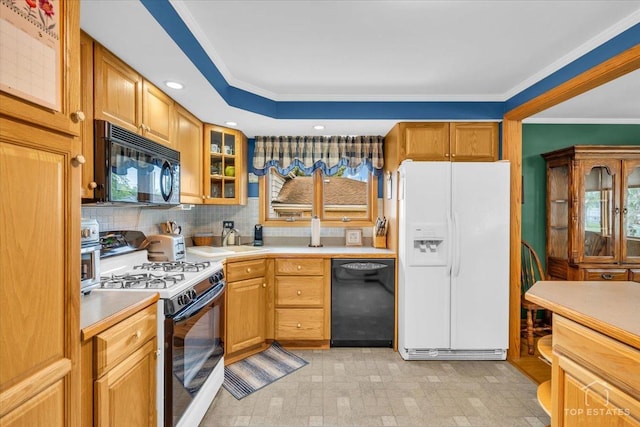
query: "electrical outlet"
227, 224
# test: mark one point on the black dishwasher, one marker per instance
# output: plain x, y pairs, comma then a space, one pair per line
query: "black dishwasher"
362, 302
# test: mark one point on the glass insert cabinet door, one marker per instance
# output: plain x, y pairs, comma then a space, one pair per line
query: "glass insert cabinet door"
558, 210
600, 211
631, 210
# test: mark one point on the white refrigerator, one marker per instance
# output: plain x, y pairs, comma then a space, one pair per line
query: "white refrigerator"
453, 266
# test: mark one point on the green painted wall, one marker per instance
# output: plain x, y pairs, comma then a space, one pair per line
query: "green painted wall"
542, 138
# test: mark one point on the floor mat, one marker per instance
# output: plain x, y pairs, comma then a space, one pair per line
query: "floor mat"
259, 370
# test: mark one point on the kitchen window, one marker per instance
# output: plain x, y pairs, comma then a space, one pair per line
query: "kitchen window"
346, 198
334, 178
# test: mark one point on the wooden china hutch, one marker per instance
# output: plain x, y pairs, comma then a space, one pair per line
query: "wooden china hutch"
593, 213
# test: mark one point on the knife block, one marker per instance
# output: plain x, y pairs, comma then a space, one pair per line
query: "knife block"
379, 242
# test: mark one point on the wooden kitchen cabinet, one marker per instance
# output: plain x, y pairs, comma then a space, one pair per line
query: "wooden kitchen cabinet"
67, 115
593, 212
302, 300
86, 105
441, 141
246, 308
225, 166
119, 369
40, 225
124, 98
188, 137
595, 379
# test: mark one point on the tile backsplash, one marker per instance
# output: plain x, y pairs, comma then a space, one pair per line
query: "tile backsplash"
200, 219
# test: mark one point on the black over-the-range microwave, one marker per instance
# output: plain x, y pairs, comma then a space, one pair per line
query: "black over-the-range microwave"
131, 169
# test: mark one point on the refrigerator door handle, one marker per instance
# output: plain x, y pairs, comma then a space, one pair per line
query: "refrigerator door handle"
456, 247
449, 248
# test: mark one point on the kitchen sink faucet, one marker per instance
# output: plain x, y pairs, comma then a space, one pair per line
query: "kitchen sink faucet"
230, 236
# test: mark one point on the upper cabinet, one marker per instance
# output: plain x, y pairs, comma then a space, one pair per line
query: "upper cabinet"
189, 142
225, 166
123, 97
86, 105
437, 141
593, 212
42, 87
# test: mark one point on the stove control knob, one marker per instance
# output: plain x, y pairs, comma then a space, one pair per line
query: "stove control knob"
179, 300
192, 295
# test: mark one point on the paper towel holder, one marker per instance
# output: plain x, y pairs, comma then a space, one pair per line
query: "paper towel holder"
315, 220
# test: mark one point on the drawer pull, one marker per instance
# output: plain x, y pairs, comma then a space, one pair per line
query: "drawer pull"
299, 267
607, 276
136, 335
299, 326
264, 285
248, 269
299, 292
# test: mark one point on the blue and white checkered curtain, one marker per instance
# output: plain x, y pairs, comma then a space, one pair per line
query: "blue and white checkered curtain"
328, 153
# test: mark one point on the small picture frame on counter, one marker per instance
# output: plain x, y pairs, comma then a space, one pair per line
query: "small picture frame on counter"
353, 237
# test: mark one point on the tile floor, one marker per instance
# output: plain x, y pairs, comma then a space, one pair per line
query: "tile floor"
375, 387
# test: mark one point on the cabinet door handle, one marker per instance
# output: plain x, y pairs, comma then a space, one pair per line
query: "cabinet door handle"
92, 185
299, 292
299, 326
624, 211
617, 211
264, 285
77, 116
453, 155
79, 160
607, 276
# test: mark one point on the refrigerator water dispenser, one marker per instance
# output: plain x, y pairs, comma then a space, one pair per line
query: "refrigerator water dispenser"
429, 244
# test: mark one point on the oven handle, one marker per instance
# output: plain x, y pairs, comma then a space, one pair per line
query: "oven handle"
206, 299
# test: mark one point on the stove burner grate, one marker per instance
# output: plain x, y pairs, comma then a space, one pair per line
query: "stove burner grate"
186, 267
140, 281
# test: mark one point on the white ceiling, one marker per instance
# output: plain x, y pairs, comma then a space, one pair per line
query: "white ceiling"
327, 50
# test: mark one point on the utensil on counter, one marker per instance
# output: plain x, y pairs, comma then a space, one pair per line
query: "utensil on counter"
171, 227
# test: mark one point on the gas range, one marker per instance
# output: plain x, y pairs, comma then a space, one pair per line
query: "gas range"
179, 282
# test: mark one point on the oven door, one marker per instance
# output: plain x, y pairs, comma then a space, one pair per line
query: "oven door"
194, 346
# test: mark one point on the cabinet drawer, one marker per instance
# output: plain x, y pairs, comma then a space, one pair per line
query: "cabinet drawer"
605, 274
117, 342
300, 267
598, 353
294, 291
299, 324
634, 275
245, 270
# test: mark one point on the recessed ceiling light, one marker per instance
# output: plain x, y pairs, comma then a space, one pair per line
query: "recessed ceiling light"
174, 85
231, 123
318, 127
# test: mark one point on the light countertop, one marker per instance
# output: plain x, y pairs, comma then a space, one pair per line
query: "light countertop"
612, 308
333, 251
101, 310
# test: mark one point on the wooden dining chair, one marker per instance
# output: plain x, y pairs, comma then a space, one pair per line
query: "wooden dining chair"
531, 271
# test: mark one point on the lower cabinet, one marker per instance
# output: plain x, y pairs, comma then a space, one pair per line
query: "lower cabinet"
125, 395
119, 373
595, 379
302, 295
246, 308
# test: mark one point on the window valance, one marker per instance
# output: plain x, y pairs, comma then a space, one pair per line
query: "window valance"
328, 153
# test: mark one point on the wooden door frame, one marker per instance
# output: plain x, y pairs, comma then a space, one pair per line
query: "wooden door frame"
617, 66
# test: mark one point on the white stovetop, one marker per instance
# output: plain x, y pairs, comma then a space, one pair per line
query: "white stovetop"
122, 264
